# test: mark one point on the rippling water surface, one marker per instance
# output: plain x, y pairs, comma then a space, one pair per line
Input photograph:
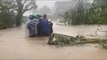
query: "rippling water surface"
14, 44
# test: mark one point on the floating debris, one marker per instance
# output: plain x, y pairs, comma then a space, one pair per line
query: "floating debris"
60, 39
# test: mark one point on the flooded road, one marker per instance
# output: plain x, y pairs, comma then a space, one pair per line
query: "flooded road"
15, 45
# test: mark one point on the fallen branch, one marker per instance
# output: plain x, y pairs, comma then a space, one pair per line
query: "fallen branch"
60, 39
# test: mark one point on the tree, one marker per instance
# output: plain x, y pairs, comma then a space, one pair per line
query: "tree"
14, 9
6, 14
102, 4
22, 7
100, 11
76, 16
88, 13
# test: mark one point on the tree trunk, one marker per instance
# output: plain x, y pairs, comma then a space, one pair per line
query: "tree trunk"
18, 20
19, 16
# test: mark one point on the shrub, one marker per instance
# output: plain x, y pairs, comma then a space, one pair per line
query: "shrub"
3, 26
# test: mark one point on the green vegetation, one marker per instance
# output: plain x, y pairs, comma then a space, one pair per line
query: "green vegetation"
65, 40
95, 14
11, 12
103, 44
6, 14
87, 13
68, 40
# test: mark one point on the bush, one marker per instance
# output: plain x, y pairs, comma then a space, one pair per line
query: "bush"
99, 20
3, 26
105, 46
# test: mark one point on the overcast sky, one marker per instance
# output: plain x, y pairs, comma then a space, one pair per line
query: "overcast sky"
41, 3
48, 3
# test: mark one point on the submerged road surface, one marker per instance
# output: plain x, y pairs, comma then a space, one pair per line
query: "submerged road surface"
15, 45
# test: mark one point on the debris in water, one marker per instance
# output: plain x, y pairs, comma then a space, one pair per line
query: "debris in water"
60, 39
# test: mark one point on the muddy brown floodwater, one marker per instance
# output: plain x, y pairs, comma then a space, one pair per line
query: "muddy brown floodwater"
15, 45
